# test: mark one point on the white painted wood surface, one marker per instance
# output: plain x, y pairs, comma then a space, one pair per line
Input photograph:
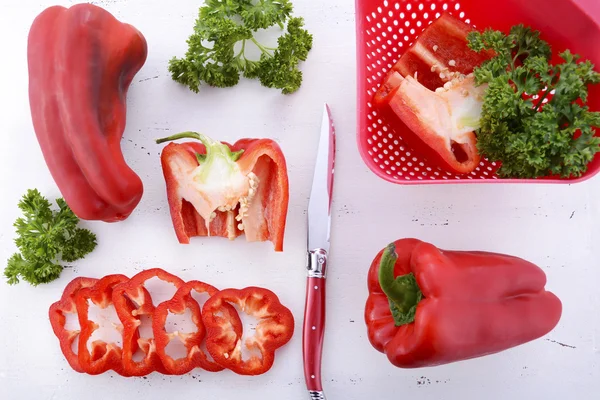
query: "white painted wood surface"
553, 226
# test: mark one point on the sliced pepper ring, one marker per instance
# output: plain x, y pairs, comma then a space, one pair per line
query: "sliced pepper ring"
181, 301
224, 341
134, 291
104, 356
66, 305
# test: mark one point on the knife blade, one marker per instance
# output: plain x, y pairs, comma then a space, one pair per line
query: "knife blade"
318, 244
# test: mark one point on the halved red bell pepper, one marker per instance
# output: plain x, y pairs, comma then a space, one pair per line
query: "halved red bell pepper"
429, 307
217, 189
103, 356
195, 358
66, 305
431, 98
133, 292
224, 330
81, 63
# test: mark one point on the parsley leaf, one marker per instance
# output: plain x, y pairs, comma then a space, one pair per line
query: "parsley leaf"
534, 136
44, 237
211, 57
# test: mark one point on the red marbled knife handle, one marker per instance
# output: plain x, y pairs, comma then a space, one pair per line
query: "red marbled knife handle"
314, 323
314, 328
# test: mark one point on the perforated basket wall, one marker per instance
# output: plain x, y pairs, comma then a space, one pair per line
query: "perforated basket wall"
386, 27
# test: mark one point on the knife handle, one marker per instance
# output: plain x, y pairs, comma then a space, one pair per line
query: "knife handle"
312, 338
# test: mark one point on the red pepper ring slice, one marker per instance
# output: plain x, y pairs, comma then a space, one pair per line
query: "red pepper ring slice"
181, 301
134, 291
104, 356
275, 328
57, 311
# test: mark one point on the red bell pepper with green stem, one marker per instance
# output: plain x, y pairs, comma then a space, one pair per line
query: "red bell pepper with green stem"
133, 292
217, 189
103, 356
429, 307
430, 96
58, 319
224, 336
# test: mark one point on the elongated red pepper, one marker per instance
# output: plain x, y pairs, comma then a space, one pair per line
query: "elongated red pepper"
66, 305
134, 292
429, 307
430, 96
195, 358
103, 356
81, 63
216, 189
224, 339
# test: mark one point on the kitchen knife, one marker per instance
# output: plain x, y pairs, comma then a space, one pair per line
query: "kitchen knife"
319, 224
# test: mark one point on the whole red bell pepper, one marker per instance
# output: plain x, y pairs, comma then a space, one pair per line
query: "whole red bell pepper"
430, 96
103, 356
132, 301
224, 330
57, 314
429, 307
217, 189
182, 301
81, 63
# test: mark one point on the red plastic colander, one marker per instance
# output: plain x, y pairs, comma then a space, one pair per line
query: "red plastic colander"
386, 27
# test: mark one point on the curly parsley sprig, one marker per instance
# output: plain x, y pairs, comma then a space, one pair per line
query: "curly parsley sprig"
44, 237
211, 57
530, 137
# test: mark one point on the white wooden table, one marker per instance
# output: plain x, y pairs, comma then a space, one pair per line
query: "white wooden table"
555, 227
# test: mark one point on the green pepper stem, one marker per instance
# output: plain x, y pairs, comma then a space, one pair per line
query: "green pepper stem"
182, 135
403, 292
213, 148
